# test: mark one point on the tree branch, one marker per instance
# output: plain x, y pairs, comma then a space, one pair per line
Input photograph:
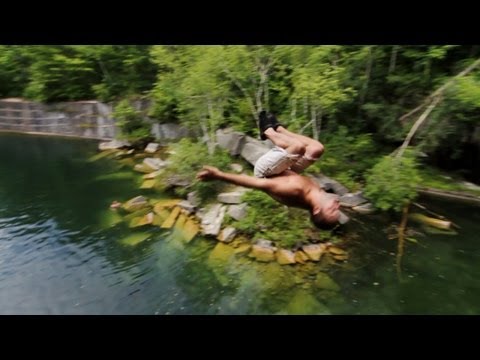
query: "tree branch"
441, 89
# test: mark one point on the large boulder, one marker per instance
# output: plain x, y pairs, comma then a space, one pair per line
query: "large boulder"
212, 219
351, 200
237, 212
329, 184
254, 149
230, 140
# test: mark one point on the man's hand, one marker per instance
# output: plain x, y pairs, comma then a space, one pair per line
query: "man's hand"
208, 173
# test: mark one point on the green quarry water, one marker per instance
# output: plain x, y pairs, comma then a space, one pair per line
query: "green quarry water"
62, 251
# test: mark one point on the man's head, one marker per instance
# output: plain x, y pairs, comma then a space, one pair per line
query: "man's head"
326, 213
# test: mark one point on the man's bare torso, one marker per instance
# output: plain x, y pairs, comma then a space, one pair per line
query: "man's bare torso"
290, 188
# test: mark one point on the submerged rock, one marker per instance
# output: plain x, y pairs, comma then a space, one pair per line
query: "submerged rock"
135, 239
148, 184
325, 282
221, 254
261, 253
170, 221
303, 303
153, 175
285, 257
136, 203
314, 251
301, 257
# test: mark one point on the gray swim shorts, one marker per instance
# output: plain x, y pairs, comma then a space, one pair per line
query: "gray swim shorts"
277, 160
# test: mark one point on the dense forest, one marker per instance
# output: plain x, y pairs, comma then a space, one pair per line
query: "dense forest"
362, 101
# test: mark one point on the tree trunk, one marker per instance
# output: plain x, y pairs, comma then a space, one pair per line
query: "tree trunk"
393, 59
211, 128
314, 122
293, 115
244, 92
427, 220
415, 126
320, 116
266, 93
368, 72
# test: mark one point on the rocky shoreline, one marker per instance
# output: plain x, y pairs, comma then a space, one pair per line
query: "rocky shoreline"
187, 218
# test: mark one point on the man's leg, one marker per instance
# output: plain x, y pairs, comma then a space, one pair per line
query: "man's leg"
313, 148
290, 144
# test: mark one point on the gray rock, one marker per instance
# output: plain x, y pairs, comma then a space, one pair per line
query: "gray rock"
264, 243
193, 199
186, 205
238, 212
177, 181
261, 253
364, 209
232, 141
351, 200
231, 197
254, 149
330, 185
236, 167
114, 144
152, 147
136, 203
213, 218
314, 251
227, 234
154, 163
285, 257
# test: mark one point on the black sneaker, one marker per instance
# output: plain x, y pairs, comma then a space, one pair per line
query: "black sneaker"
273, 120
263, 124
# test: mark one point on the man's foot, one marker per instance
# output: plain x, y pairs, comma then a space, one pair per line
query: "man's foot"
264, 122
272, 119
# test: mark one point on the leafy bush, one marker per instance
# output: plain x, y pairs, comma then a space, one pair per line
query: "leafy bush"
393, 182
187, 159
130, 121
347, 157
270, 220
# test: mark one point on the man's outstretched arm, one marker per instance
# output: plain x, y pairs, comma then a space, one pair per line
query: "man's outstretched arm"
212, 173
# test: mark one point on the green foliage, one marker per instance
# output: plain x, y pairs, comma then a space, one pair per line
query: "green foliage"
187, 158
270, 220
130, 121
392, 182
365, 88
347, 156
59, 74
